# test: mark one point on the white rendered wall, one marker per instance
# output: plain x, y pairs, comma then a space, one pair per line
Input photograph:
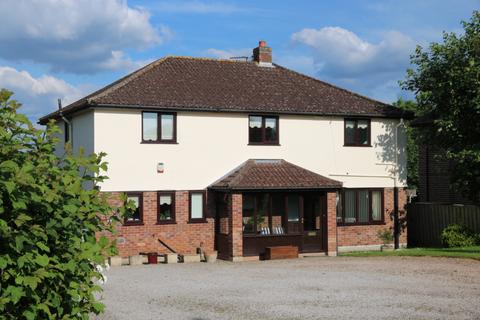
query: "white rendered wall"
212, 144
82, 126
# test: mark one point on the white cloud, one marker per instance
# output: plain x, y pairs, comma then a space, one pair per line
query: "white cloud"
197, 7
342, 57
228, 53
79, 36
39, 95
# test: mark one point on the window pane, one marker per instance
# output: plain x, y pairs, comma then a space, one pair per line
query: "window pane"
363, 205
136, 214
255, 129
167, 126
363, 131
271, 129
248, 213
293, 208
150, 126
376, 205
350, 206
196, 206
278, 211
339, 207
262, 213
165, 203
349, 132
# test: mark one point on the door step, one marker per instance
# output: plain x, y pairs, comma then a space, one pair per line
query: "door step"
311, 254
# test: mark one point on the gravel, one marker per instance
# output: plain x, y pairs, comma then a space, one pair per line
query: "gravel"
308, 288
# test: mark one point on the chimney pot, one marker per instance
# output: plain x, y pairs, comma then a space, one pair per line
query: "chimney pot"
262, 43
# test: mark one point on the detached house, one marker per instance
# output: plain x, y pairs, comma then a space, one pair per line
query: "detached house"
237, 156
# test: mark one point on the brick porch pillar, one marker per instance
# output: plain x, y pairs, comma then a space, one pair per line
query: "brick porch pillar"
235, 234
331, 224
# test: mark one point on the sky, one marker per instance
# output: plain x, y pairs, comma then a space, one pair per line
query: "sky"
66, 49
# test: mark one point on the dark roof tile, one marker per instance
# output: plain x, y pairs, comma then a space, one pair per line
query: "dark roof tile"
183, 83
272, 174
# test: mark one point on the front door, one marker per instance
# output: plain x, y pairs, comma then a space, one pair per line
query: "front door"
314, 216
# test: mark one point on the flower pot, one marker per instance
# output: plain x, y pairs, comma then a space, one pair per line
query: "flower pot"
211, 257
152, 258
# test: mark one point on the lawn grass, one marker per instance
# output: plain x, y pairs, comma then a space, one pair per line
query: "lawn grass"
464, 252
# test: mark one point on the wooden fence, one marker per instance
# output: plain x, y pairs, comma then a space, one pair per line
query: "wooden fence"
425, 221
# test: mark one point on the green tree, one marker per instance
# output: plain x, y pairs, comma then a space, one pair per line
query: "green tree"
412, 144
446, 83
48, 223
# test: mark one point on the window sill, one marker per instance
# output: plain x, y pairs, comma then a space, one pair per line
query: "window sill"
198, 220
165, 222
129, 224
343, 224
158, 142
263, 144
358, 145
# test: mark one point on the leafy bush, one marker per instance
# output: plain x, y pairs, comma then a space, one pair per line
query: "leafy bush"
456, 235
385, 235
49, 252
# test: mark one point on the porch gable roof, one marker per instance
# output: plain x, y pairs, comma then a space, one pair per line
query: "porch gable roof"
272, 174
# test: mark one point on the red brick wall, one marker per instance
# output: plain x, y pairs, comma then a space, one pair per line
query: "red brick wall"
331, 223
235, 239
367, 235
183, 237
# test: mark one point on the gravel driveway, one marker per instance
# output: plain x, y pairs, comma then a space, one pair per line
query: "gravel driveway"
309, 288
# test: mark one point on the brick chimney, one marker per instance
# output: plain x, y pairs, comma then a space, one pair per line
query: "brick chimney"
262, 54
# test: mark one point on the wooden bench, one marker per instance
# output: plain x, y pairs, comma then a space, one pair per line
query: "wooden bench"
281, 252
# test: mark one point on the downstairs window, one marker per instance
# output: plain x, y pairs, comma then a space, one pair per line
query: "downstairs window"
360, 206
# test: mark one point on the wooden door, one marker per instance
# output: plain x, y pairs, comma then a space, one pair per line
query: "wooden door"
313, 222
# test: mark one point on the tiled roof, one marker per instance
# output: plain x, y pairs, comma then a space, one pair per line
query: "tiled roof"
272, 174
198, 84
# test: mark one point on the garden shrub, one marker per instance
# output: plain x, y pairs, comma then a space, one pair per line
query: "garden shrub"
49, 252
456, 235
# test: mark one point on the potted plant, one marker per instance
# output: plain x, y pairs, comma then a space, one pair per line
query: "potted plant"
386, 236
211, 257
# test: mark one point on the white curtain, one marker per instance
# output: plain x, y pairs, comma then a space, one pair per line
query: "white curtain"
197, 206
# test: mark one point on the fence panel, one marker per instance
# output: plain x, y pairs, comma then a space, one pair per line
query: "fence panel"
425, 221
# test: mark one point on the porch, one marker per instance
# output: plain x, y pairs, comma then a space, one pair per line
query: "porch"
271, 203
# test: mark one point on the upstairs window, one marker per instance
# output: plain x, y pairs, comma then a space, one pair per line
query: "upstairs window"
263, 130
357, 132
137, 216
159, 127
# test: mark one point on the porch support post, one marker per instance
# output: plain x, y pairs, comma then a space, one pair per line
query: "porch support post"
235, 235
331, 224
